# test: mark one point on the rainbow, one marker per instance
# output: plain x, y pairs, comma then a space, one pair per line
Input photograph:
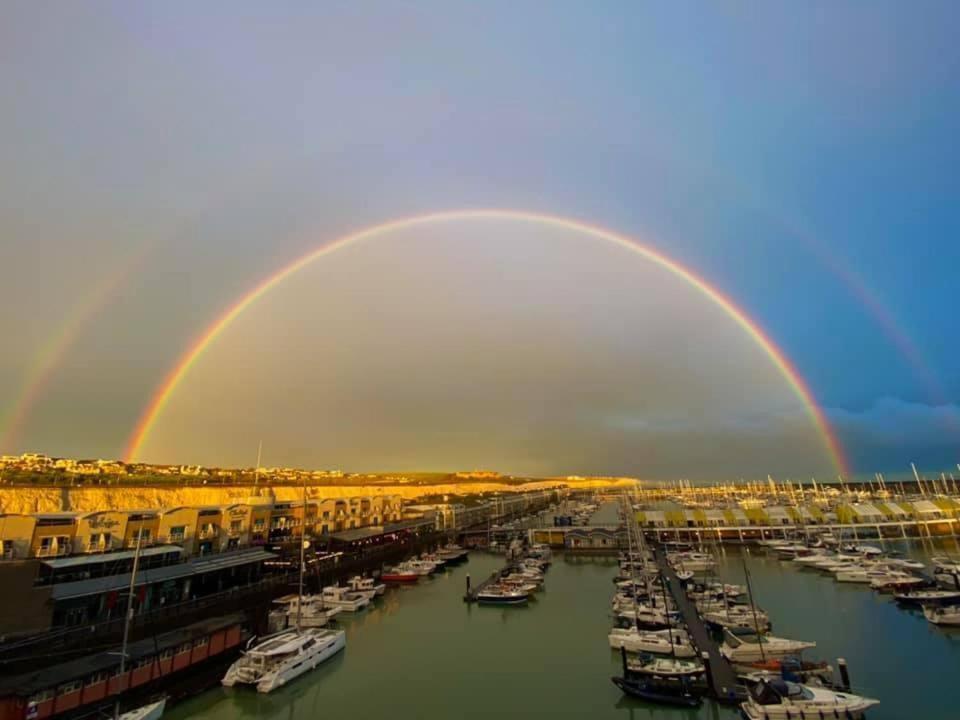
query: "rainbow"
51, 353
168, 387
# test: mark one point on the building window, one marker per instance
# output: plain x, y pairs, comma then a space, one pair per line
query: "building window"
200, 642
68, 688
166, 654
143, 662
184, 648
96, 679
258, 524
235, 526
143, 535
40, 697
177, 533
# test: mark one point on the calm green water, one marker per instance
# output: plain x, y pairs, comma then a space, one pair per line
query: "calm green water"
424, 653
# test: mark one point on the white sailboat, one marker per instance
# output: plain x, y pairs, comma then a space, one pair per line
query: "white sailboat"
745, 648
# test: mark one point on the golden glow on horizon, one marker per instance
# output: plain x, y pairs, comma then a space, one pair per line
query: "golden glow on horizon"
166, 389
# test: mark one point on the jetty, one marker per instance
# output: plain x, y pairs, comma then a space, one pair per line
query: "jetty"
721, 679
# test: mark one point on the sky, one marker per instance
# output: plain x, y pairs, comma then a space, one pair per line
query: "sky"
159, 160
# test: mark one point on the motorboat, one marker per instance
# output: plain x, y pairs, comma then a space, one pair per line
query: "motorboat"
778, 699
452, 554
344, 598
150, 711
421, 567
314, 613
865, 550
894, 581
747, 648
787, 668
366, 586
928, 597
946, 572
280, 658
502, 595
675, 643
401, 573
943, 615
664, 667
666, 692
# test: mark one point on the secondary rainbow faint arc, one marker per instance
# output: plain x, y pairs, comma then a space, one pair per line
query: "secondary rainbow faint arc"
173, 379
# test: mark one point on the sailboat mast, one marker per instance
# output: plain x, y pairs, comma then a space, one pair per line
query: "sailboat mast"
129, 617
303, 542
753, 608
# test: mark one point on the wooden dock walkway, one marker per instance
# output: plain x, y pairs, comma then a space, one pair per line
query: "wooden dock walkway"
723, 680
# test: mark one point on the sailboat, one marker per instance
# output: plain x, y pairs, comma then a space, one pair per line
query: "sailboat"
655, 679
284, 656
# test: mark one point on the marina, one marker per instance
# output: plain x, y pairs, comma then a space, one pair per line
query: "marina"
552, 658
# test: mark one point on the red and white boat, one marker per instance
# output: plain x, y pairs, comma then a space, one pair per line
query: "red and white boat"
402, 573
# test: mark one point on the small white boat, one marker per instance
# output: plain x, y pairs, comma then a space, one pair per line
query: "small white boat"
946, 615
151, 711
313, 612
896, 581
421, 567
652, 641
280, 658
750, 648
344, 598
665, 667
502, 595
931, 597
366, 586
778, 699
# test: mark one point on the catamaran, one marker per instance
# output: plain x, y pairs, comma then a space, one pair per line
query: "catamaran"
284, 656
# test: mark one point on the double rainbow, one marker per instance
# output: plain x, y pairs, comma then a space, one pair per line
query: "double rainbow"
171, 382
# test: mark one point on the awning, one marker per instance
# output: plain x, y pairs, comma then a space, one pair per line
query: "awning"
199, 566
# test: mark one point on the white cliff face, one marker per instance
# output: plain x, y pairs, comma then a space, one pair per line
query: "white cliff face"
88, 499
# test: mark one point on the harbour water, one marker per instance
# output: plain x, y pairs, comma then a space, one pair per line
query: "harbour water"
424, 653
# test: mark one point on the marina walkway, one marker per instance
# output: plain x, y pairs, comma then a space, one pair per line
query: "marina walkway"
723, 680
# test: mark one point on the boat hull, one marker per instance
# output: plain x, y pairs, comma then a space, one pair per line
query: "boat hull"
650, 693
306, 662
401, 579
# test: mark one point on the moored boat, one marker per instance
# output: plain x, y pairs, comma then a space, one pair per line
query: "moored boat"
345, 598
751, 648
366, 586
150, 711
502, 595
280, 658
663, 642
401, 573
782, 700
947, 615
